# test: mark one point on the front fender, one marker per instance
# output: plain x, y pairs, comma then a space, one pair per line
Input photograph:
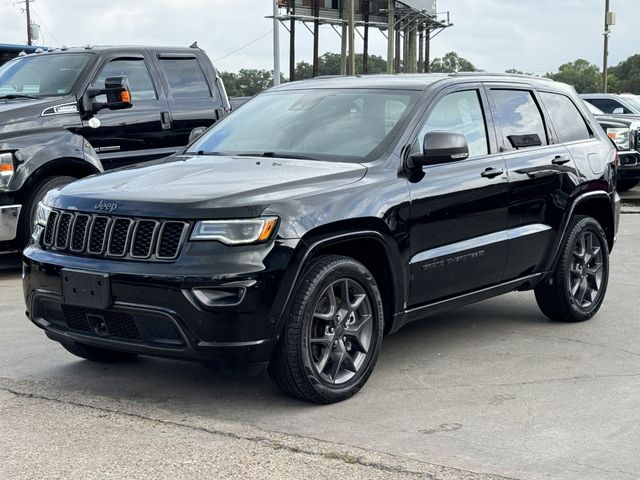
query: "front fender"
34, 151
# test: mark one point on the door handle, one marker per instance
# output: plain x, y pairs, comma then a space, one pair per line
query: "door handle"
492, 172
165, 120
560, 160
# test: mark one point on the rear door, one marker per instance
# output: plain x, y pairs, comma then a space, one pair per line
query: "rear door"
541, 176
137, 134
457, 229
193, 97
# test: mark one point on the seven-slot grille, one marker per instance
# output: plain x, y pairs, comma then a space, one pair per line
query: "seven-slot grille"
117, 237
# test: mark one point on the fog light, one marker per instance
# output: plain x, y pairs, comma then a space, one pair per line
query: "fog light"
219, 296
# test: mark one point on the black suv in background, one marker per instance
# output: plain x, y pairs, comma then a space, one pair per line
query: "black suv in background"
57, 126
322, 215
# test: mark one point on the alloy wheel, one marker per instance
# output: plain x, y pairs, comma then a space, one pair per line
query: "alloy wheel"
586, 270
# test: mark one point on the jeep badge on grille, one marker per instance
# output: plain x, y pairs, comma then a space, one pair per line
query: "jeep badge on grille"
106, 206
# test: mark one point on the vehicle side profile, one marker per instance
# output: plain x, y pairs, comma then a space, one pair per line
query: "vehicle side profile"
57, 123
324, 214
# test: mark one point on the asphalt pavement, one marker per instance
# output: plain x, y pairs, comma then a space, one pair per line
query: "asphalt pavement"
492, 390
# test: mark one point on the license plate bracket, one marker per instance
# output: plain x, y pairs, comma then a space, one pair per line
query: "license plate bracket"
86, 289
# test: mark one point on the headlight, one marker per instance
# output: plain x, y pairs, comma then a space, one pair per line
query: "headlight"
6, 169
622, 137
236, 232
42, 215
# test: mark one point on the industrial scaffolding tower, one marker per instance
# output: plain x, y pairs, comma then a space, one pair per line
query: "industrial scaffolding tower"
409, 26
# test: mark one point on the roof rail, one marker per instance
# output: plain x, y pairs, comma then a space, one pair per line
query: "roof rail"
488, 74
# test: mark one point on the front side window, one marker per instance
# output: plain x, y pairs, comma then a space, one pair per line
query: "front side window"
328, 124
460, 112
520, 119
43, 75
186, 79
136, 72
568, 122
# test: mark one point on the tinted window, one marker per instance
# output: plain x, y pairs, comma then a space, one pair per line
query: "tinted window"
519, 115
135, 70
460, 112
608, 105
568, 122
186, 79
329, 124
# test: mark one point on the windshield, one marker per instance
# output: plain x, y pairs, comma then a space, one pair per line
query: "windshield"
634, 100
42, 75
336, 125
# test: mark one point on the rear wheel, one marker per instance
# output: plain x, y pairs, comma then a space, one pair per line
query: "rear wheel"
333, 333
96, 354
31, 205
576, 289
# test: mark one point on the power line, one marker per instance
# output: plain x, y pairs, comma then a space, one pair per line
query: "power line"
45, 26
243, 47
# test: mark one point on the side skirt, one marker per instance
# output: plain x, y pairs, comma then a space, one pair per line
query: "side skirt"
419, 313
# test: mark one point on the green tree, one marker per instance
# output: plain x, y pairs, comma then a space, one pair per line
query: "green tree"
625, 77
584, 76
451, 63
329, 64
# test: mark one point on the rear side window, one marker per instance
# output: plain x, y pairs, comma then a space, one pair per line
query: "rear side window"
186, 78
520, 119
608, 105
136, 72
567, 120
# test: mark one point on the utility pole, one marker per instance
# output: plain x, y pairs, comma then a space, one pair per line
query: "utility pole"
609, 20
276, 43
29, 42
292, 41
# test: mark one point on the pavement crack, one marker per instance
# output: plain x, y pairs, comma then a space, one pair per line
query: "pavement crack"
269, 442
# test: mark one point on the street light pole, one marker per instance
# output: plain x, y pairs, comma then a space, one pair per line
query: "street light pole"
609, 20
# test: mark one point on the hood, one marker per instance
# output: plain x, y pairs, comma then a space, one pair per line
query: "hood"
618, 120
205, 186
21, 114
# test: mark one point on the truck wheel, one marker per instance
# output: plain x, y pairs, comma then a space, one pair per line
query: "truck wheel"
96, 354
577, 286
30, 206
333, 332
624, 185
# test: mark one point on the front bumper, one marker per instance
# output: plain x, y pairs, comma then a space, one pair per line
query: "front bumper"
154, 310
9, 217
629, 168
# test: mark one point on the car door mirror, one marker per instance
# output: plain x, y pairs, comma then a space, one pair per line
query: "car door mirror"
196, 133
440, 147
117, 92
618, 111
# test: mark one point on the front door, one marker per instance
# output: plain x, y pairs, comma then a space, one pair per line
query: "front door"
459, 210
140, 133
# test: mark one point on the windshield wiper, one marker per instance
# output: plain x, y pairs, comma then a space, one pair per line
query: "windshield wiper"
17, 95
202, 152
275, 155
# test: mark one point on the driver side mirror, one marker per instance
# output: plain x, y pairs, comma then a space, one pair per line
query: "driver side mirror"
196, 133
440, 147
117, 92
618, 111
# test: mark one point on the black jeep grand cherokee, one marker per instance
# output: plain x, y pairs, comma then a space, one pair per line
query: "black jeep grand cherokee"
324, 214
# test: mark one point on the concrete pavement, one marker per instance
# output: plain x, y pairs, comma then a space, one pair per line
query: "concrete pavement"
493, 388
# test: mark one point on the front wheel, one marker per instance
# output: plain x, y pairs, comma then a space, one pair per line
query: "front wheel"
333, 332
625, 185
575, 291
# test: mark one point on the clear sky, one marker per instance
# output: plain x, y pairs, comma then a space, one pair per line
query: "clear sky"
531, 35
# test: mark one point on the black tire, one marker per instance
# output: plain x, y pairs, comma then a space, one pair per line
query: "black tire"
30, 206
624, 185
96, 354
563, 297
346, 342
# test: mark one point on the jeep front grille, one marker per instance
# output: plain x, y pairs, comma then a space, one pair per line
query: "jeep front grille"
114, 237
